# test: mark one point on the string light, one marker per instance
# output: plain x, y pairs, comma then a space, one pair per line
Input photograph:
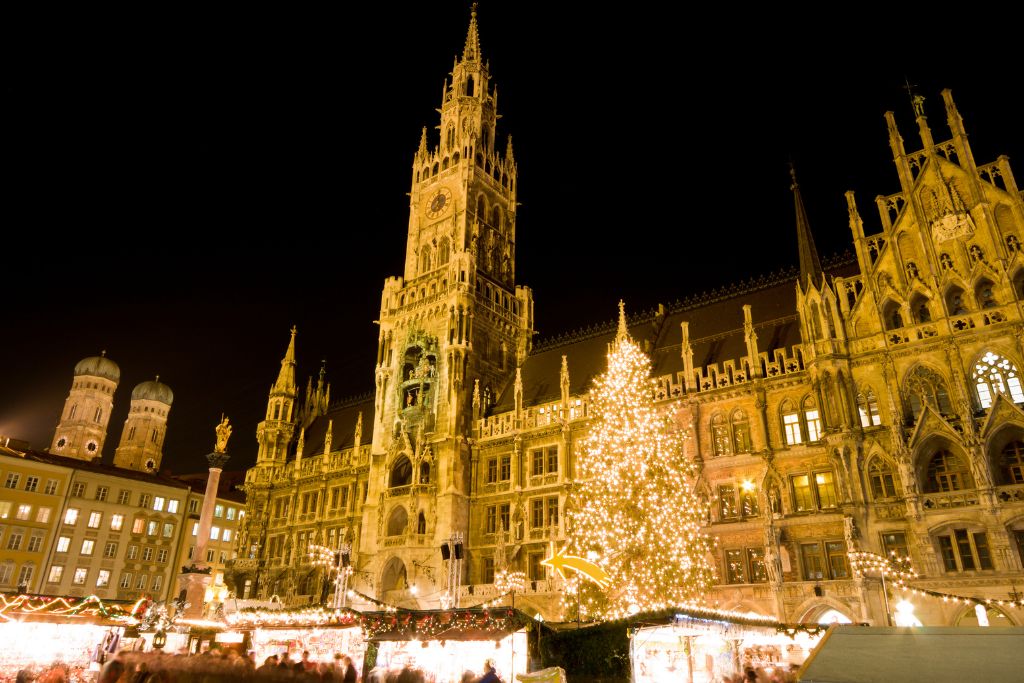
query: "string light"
635, 505
11, 607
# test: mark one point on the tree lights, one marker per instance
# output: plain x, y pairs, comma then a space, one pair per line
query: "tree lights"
634, 509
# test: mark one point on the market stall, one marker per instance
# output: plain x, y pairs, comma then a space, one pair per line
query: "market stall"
321, 632
37, 632
444, 644
705, 646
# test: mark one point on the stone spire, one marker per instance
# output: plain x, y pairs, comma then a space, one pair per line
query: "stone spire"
286, 378
471, 53
810, 265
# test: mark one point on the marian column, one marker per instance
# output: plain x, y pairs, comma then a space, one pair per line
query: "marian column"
198, 576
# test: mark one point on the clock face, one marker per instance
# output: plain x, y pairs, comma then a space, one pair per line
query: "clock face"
439, 203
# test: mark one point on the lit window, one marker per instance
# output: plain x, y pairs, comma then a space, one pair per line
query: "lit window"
721, 440
139, 525
867, 406
195, 528
214, 533
126, 580
996, 375
43, 515
791, 423
168, 529
232, 512
24, 512
81, 574
63, 543
103, 578
87, 546
5, 509
226, 536
218, 511
158, 503
95, 519
152, 528
172, 505
116, 522
813, 420
110, 550
71, 516
56, 572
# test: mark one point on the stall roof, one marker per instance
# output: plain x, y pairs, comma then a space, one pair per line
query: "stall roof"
953, 653
458, 624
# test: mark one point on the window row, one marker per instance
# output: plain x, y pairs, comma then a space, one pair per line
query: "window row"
13, 479
23, 511
8, 577
22, 539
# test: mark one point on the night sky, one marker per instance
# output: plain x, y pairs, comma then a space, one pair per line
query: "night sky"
180, 190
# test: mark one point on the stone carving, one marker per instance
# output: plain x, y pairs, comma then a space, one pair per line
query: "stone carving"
223, 434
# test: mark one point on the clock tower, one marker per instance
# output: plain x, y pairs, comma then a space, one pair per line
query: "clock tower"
453, 328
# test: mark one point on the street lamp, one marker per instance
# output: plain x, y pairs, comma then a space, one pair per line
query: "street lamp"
336, 561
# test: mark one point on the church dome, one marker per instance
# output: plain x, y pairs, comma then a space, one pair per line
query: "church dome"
153, 390
98, 366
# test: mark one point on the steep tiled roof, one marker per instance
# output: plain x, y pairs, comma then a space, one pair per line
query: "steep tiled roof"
342, 417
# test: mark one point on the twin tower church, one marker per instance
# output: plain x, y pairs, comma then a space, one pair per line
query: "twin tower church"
873, 404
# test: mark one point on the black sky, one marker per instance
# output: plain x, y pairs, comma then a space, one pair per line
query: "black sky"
180, 190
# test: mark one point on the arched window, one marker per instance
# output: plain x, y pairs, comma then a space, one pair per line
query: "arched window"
485, 138
791, 424
883, 483
424, 258
421, 524
397, 521
892, 316
720, 435
426, 172
131, 433
425, 473
71, 413
815, 321
1018, 283
98, 416
867, 406
435, 169
984, 294
926, 387
444, 164
919, 308
443, 249
481, 209
401, 472
450, 136
469, 86
455, 159
996, 375
741, 431
496, 218
812, 420
947, 472
277, 411
955, 301
829, 321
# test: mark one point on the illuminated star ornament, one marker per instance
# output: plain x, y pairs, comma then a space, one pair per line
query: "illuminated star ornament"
634, 515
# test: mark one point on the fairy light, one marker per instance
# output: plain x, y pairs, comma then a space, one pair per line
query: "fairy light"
635, 506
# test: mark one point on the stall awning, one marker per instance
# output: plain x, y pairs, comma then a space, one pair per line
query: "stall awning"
849, 654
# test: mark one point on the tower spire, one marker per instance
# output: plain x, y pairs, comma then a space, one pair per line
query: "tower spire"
471, 53
810, 265
286, 378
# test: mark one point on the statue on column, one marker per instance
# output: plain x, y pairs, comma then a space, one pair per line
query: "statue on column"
223, 434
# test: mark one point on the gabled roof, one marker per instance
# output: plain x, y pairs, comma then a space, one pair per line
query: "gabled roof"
342, 418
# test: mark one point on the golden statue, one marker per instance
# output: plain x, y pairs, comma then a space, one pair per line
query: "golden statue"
223, 434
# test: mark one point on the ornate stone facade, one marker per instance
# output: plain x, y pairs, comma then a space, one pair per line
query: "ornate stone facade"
874, 404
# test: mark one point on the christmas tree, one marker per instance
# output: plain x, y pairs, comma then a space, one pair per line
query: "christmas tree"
635, 511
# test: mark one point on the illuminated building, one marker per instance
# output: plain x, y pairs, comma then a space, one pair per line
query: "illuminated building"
873, 404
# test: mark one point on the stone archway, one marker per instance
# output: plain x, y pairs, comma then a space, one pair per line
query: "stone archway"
393, 576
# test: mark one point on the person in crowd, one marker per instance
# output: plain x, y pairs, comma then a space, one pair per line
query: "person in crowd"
490, 675
269, 665
350, 674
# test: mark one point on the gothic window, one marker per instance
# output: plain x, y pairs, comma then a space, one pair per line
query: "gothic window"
426, 172
892, 315
741, 431
71, 413
455, 159
720, 435
443, 248
829, 322
435, 169
996, 375
964, 550
401, 472
919, 308
397, 521
812, 420
815, 321
955, 301
277, 411
926, 387
984, 294
791, 424
421, 524
485, 138
945, 261
883, 482
496, 218
1012, 461
99, 414
425, 473
976, 254
947, 472
867, 406
424, 258
444, 164
1018, 283
481, 209
469, 86
450, 136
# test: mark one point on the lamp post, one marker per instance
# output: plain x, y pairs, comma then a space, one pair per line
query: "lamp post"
337, 562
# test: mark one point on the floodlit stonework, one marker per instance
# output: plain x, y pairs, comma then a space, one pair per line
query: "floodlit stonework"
871, 404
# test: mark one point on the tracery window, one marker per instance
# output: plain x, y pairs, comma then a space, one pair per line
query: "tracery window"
994, 374
947, 472
883, 482
926, 387
867, 406
1012, 461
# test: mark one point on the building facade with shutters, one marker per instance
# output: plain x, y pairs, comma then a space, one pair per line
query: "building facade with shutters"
871, 404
